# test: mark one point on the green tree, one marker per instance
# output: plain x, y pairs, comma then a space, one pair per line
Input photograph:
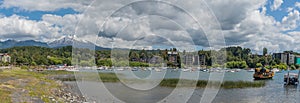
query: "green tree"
258, 65
265, 51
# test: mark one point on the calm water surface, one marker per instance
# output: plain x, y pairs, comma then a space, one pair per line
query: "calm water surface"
273, 92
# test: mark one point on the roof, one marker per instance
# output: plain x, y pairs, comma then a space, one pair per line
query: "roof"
295, 74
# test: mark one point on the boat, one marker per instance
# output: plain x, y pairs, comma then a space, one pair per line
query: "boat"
120, 69
251, 70
101, 68
185, 70
134, 69
262, 73
276, 70
291, 79
72, 70
157, 70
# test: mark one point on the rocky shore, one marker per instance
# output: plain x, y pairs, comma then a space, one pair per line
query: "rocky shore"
67, 94
22, 86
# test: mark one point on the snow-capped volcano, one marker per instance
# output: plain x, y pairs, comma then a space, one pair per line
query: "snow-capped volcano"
64, 41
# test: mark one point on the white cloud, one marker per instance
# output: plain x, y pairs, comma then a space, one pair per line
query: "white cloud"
291, 21
17, 27
242, 24
67, 23
297, 4
289, 9
276, 4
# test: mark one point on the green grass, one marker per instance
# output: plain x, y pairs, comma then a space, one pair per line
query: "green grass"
5, 96
37, 84
242, 84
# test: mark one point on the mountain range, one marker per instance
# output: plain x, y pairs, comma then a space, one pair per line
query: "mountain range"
64, 41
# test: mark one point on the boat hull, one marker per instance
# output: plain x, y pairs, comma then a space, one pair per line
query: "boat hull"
260, 78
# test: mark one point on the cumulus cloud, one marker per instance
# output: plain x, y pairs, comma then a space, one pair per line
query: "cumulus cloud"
297, 4
276, 4
20, 28
147, 24
46, 5
291, 21
67, 23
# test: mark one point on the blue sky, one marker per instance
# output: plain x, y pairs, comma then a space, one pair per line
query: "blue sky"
244, 25
282, 11
35, 15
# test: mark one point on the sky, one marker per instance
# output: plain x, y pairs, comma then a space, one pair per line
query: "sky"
191, 24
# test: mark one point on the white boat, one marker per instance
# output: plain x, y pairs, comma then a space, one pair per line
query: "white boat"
100, 68
157, 70
120, 69
251, 70
276, 70
185, 70
72, 70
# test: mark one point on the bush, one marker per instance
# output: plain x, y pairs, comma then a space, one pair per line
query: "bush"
24, 67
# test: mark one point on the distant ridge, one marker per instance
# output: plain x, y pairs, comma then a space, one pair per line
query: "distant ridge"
62, 42
14, 43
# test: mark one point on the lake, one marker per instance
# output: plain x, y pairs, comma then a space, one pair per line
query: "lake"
273, 92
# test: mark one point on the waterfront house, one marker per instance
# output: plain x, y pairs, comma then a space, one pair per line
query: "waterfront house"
5, 57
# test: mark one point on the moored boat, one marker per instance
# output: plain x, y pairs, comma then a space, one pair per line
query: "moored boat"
291, 79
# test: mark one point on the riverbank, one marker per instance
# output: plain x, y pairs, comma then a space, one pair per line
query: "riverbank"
18, 86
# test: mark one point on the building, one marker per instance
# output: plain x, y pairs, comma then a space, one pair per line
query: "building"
4, 57
290, 58
156, 60
286, 57
172, 57
188, 59
281, 56
202, 61
297, 60
191, 59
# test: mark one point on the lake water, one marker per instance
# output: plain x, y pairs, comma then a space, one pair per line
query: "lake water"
273, 92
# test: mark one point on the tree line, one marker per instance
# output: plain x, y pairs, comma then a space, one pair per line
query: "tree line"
236, 57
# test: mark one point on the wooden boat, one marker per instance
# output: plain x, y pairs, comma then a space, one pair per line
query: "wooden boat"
262, 73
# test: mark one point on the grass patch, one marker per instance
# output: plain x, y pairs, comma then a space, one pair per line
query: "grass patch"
37, 84
66, 76
112, 77
242, 84
203, 83
5, 96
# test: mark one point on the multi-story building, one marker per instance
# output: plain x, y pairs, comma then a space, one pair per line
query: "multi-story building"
172, 57
291, 58
202, 61
190, 59
285, 57
281, 56
4, 57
